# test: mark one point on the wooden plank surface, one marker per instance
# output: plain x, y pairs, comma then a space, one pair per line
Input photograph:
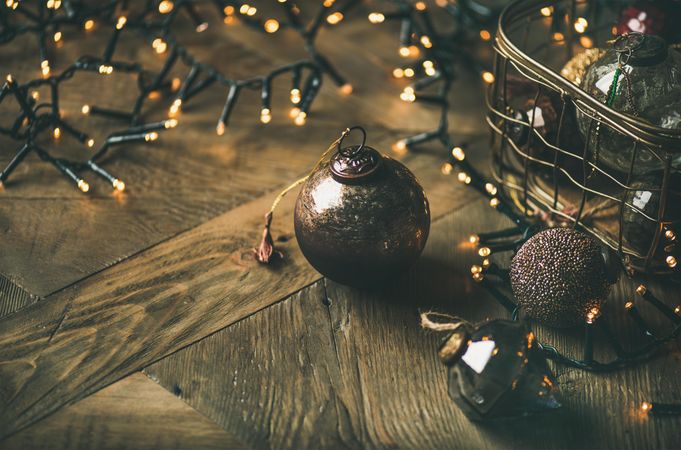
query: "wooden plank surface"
132, 414
190, 175
333, 367
115, 322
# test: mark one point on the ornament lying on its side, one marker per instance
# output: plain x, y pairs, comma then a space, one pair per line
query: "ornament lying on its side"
559, 275
497, 370
362, 217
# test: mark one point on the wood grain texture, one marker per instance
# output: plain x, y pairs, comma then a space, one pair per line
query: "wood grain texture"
190, 175
333, 367
132, 414
120, 320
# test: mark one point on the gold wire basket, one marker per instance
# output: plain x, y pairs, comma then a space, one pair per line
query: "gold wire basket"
554, 174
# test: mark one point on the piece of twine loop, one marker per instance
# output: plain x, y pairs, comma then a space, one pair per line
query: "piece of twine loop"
452, 324
265, 252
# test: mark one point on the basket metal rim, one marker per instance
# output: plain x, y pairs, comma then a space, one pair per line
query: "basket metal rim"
668, 140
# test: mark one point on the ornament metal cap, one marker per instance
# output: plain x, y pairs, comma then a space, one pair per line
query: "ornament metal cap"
639, 50
355, 163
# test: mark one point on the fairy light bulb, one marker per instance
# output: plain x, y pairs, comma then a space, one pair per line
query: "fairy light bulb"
474, 239
83, 185
159, 45
413, 50
646, 407
220, 129
426, 42
175, 107
485, 35
478, 277
458, 153
398, 72
57, 36
293, 113
334, 18
400, 146
45, 68
376, 17
175, 84
628, 305
229, 10
154, 95
462, 177
430, 71
118, 185
409, 72
420, 6
271, 25
13, 4
243, 9
170, 123
105, 69
558, 36
476, 269
491, 189
149, 137
265, 115
484, 252
671, 261
295, 96
346, 89
90, 143
56, 133
580, 25
88, 25
641, 290
300, 119
404, 51
546, 11
446, 168
488, 77
165, 6
35, 95
120, 23
408, 94
586, 42
494, 202
670, 235
677, 310
327, 3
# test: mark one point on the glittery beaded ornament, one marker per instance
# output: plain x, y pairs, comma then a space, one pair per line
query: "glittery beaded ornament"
558, 276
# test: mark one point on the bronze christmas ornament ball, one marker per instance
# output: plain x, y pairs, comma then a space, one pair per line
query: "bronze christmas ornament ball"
361, 218
558, 276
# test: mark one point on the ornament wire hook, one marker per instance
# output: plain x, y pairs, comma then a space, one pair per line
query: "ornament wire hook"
351, 151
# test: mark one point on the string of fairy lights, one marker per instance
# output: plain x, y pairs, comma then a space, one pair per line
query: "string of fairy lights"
155, 21
434, 55
491, 276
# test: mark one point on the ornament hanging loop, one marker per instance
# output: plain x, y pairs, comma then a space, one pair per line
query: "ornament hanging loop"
354, 150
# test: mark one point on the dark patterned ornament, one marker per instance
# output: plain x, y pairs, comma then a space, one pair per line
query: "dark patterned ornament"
639, 76
559, 275
496, 370
361, 218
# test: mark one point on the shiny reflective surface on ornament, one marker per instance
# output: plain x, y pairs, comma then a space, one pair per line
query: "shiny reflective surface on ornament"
501, 372
654, 72
364, 230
